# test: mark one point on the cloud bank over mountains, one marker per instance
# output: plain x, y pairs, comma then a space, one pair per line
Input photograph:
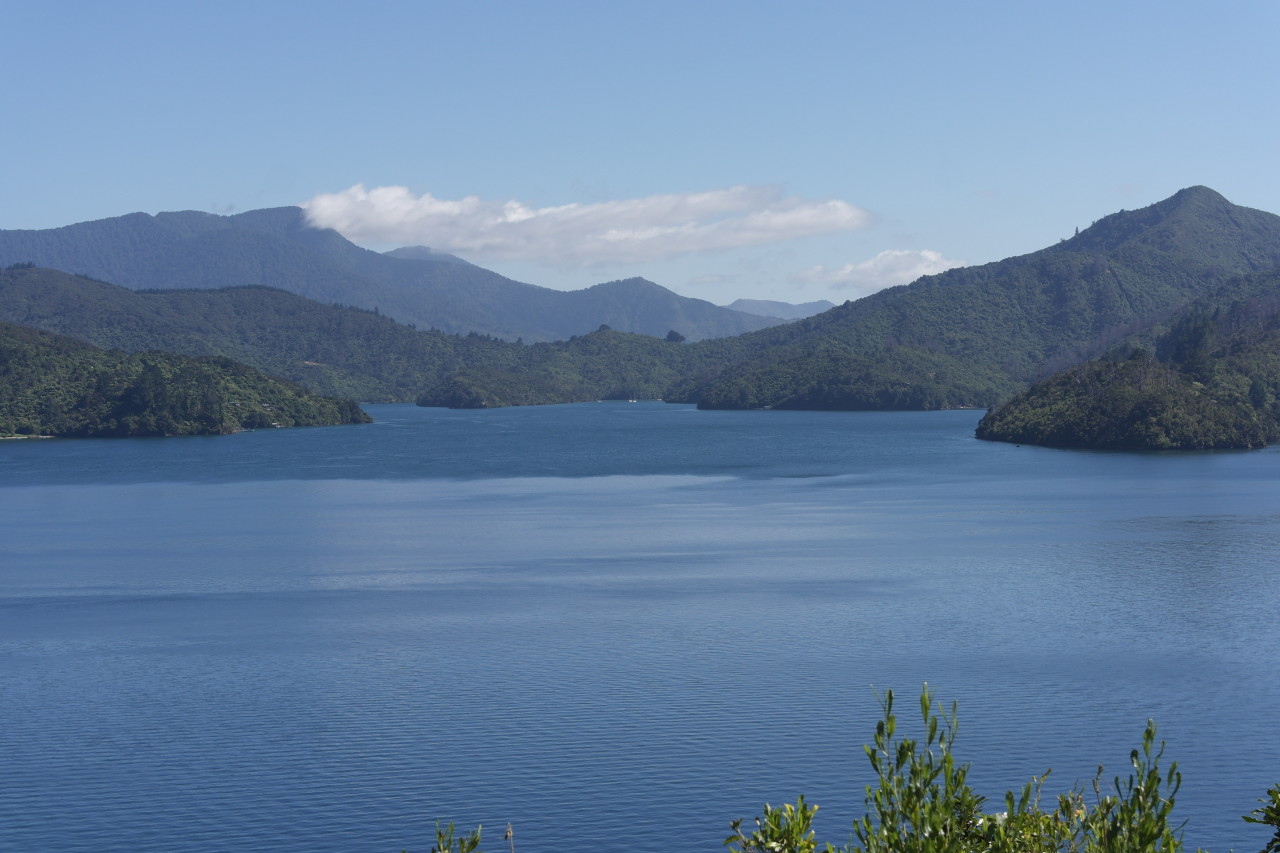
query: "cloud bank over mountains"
635, 230
888, 268
621, 233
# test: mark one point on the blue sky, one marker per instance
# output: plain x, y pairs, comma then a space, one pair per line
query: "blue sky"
812, 150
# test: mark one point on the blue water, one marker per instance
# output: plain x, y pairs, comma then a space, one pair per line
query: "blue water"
616, 626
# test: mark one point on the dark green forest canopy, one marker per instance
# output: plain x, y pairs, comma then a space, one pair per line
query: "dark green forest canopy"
54, 385
1213, 382
1137, 404
346, 351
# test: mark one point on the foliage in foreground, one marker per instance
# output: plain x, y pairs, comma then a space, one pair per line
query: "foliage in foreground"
1268, 814
922, 803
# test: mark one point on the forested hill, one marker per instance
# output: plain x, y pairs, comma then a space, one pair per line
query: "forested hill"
54, 385
277, 248
351, 352
347, 352
1213, 381
976, 335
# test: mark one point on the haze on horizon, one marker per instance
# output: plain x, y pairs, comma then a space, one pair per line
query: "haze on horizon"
724, 150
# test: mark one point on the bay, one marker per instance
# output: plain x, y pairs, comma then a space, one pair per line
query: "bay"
612, 625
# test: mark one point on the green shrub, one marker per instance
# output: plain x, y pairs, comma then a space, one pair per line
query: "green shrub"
781, 830
1269, 815
922, 803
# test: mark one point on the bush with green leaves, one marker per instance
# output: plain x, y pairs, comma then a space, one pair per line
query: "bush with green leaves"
1267, 814
780, 829
448, 841
921, 802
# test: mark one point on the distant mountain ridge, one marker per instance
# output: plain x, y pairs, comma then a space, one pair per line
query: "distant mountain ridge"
424, 253
276, 247
783, 310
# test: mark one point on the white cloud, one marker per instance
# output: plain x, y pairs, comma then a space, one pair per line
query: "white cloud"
625, 231
890, 267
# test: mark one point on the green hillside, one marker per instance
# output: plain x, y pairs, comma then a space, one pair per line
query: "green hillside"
54, 385
973, 336
1213, 382
346, 351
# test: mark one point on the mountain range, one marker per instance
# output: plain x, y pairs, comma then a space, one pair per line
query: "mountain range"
966, 337
276, 247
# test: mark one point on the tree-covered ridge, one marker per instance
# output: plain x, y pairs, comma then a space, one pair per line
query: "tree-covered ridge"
330, 349
351, 352
1136, 404
604, 364
54, 385
991, 329
1214, 382
899, 379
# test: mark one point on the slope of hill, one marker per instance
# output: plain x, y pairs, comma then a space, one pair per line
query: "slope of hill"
276, 247
1214, 382
975, 335
348, 351
54, 385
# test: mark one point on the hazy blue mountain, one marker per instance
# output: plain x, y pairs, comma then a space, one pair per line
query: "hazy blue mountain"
424, 253
781, 310
276, 247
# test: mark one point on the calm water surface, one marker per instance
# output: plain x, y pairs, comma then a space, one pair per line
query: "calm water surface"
617, 626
